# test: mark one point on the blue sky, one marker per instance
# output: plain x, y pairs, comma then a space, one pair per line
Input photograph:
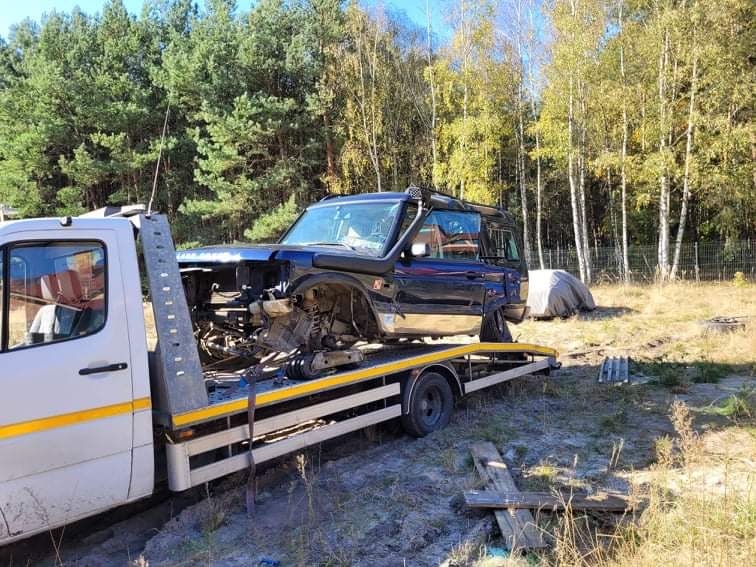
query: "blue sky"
14, 11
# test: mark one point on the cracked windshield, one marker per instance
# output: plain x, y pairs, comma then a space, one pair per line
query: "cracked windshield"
364, 228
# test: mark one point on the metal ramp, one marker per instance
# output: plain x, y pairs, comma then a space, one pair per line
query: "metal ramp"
178, 382
615, 370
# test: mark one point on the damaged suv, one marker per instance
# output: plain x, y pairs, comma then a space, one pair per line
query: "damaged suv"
377, 267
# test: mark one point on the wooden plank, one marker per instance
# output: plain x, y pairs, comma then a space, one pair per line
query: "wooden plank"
546, 500
518, 527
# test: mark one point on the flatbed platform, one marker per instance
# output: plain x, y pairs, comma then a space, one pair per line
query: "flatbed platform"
378, 363
303, 413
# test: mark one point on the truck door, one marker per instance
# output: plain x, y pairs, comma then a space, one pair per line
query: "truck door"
66, 408
444, 290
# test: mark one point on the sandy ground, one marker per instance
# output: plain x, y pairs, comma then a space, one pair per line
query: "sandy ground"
379, 497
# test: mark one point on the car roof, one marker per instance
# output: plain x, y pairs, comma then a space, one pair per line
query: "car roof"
361, 198
438, 201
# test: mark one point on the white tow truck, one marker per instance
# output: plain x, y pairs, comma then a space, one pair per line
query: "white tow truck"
91, 419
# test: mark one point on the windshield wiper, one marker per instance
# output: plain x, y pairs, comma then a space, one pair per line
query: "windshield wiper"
344, 244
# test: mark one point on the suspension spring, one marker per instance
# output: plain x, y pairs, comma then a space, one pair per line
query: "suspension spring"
313, 314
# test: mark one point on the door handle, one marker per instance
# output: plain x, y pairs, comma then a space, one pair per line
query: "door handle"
471, 275
100, 369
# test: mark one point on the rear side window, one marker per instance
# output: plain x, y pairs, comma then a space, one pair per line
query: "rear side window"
504, 244
55, 291
451, 235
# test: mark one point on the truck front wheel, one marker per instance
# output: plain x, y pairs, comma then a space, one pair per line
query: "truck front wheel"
430, 406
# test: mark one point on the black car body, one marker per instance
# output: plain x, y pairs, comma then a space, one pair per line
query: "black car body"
375, 267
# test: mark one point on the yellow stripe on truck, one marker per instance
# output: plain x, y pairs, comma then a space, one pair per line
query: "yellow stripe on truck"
73, 418
346, 378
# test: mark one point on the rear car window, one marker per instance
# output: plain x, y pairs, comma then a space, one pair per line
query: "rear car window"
504, 243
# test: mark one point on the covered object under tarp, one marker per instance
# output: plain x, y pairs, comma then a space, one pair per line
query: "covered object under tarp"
556, 293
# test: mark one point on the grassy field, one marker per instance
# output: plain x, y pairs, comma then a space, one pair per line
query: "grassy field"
683, 437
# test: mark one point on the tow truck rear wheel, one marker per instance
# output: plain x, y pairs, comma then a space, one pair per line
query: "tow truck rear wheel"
430, 406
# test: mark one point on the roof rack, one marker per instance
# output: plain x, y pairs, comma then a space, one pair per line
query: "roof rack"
448, 201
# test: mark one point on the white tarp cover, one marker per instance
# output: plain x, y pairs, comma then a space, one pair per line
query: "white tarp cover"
556, 293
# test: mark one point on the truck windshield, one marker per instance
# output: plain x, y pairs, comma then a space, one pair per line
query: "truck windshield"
364, 228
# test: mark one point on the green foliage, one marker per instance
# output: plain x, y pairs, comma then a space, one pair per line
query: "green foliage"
741, 405
271, 225
740, 280
710, 372
268, 109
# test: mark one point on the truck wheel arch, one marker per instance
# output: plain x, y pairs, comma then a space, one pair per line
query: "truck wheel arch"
410, 381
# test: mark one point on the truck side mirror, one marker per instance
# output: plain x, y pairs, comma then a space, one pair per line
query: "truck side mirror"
420, 250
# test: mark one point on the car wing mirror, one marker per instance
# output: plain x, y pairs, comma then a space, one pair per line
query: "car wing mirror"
420, 250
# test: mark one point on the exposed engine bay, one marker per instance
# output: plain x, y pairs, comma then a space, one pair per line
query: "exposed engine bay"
242, 312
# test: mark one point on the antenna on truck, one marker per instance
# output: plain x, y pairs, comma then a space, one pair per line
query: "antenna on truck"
160, 154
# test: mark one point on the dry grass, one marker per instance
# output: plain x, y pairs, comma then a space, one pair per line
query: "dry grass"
701, 504
653, 323
701, 492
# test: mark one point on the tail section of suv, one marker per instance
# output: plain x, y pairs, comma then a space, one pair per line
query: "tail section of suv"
373, 267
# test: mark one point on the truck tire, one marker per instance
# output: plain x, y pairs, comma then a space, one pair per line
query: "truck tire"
430, 406
495, 329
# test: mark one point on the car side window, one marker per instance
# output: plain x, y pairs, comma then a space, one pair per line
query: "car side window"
451, 235
504, 244
56, 291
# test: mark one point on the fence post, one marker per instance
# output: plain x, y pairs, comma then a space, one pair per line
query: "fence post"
695, 253
551, 262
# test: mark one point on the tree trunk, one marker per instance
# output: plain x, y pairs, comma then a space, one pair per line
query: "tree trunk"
432, 80
573, 183
539, 195
534, 116
688, 157
521, 138
663, 247
623, 158
367, 104
330, 160
523, 186
463, 140
581, 167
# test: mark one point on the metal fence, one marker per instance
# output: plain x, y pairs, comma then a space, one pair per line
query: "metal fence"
698, 261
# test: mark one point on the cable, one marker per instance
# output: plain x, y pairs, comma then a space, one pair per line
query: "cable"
160, 153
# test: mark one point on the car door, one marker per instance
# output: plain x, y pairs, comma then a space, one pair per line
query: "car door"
502, 254
442, 293
66, 409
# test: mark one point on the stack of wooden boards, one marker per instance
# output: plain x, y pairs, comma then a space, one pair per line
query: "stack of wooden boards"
512, 508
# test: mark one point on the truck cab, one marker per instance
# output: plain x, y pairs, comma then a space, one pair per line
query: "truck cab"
76, 423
